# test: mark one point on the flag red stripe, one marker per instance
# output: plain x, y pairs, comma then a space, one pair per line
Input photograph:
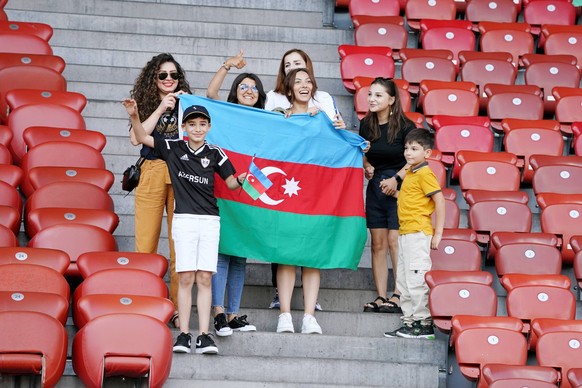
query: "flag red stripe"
323, 190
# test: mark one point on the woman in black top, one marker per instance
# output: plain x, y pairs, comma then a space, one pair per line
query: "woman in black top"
385, 126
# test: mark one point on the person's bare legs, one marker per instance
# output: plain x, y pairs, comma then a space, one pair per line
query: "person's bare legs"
186, 281
380, 246
203, 299
393, 247
285, 285
311, 279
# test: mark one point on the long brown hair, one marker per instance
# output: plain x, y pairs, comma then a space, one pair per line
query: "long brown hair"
279, 84
289, 81
146, 93
397, 120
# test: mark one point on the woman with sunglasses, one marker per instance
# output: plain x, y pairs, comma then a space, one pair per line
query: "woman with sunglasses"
246, 89
156, 91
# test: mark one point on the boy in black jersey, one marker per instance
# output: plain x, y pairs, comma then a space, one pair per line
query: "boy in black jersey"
196, 224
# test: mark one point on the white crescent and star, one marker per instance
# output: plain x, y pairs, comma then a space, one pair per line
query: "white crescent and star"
291, 186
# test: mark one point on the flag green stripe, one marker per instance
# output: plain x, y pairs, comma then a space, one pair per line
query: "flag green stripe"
254, 194
317, 241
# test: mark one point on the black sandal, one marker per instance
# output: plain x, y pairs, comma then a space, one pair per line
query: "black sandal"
390, 306
173, 320
373, 307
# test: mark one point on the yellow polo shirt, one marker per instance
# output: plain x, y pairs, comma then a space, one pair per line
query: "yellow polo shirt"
415, 205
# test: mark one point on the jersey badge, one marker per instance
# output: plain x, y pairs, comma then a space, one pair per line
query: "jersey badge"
205, 162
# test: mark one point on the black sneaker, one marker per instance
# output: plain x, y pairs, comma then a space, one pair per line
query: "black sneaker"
395, 333
221, 326
241, 324
417, 330
183, 343
205, 344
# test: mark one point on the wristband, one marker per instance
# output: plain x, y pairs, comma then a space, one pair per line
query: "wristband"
238, 181
398, 179
227, 68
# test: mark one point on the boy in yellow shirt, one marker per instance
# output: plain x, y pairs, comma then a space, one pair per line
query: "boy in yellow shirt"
420, 195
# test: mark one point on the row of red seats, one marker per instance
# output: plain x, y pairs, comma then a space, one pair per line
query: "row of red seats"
120, 308
55, 163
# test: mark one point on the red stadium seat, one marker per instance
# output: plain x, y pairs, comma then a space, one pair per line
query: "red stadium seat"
390, 34
515, 280
348, 49
34, 136
14, 59
541, 326
74, 240
475, 196
575, 377
463, 322
19, 97
488, 217
90, 307
11, 174
33, 278
577, 132
40, 114
362, 85
41, 218
372, 63
23, 43
532, 59
439, 121
416, 10
70, 195
42, 30
557, 179
33, 343
453, 213
568, 102
59, 154
565, 43
560, 350
28, 77
456, 255
373, 9
5, 135
532, 376
513, 101
528, 258
565, 220
541, 12
480, 346
546, 199
92, 262
493, 175
440, 171
454, 35
10, 218
514, 38
500, 11
538, 161
7, 237
576, 243
52, 258
9, 196
42, 176
5, 155
452, 138
129, 345
43, 302
547, 75
525, 142
124, 281
449, 299
426, 65
435, 277
500, 239
451, 98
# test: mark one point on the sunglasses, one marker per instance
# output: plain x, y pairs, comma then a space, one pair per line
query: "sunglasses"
163, 75
245, 87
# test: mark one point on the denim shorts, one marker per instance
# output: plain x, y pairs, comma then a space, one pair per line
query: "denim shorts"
381, 209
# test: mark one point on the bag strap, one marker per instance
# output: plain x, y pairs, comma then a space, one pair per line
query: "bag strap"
142, 159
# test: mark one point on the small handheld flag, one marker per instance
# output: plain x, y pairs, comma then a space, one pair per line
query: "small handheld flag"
256, 183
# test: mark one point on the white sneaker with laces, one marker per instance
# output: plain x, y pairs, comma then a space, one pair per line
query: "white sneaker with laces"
310, 325
285, 324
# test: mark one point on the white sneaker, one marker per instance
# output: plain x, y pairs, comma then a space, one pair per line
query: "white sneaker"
310, 325
285, 324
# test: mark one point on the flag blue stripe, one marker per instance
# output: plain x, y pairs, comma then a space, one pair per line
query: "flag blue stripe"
253, 131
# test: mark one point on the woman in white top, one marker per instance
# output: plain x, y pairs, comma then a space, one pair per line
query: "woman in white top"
294, 59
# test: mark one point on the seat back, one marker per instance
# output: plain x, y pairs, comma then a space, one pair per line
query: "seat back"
41, 218
52, 258
34, 136
500, 11
565, 220
456, 255
74, 240
533, 376
11, 174
435, 277
416, 10
515, 280
14, 59
528, 258
480, 346
123, 345
42, 30
530, 302
449, 299
557, 179
549, 75
19, 97
23, 43
7, 237
33, 343
367, 65
516, 42
70, 195
565, 43
33, 278
43, 302
92, 262
419, 68
45, 175
393, 35
560, 350
450, 37
489, 175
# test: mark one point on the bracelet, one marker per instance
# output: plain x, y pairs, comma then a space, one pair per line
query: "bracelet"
398, 178
227, 68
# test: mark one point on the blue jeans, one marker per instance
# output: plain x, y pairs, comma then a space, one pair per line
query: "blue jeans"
229, 278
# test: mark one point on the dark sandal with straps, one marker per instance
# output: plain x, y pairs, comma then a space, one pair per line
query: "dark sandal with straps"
373, 307
173, 320
390, 306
